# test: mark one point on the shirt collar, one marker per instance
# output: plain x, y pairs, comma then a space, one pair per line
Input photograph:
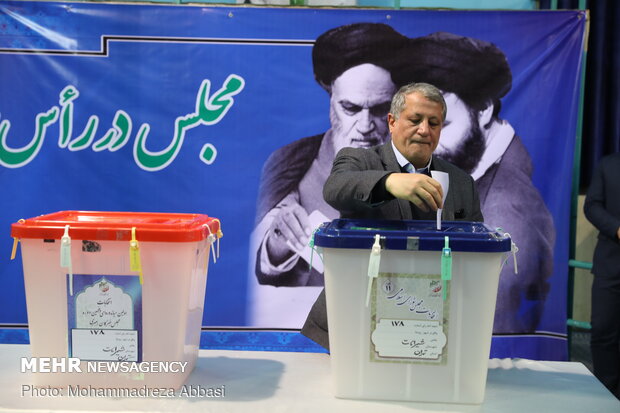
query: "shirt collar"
499, 137
402, 161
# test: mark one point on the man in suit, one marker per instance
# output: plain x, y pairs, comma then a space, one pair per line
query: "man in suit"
602, 208
392, 181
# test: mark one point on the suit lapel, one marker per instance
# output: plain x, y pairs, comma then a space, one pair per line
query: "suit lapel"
386, 153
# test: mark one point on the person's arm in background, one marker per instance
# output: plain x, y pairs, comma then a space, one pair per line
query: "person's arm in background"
289, 228
281, 218
595, 206
276, 262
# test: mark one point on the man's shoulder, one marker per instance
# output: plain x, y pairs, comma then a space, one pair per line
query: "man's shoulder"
283, 170
304, 144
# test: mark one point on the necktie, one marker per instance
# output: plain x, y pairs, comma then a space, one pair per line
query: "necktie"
415, 212
411, 169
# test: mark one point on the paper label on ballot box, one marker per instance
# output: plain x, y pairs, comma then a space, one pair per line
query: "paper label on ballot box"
409, 319
105, 317
105, 345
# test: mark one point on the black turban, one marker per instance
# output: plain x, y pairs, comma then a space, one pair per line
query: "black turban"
475, 70
344, 47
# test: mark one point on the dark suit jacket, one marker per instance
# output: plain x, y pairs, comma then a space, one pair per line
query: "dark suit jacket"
602, 208
352, 189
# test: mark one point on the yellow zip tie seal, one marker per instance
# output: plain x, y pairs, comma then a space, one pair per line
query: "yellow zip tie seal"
134, 255
14, 250
220, 234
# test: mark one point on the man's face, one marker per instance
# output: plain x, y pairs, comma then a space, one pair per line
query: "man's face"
359, 103
462, 139
416, 131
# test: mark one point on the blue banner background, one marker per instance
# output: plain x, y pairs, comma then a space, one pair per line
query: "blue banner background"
157, 78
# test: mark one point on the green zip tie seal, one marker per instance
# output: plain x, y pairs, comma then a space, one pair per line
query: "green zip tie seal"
446, 267
312, 250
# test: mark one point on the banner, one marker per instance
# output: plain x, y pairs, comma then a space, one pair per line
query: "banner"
203, 110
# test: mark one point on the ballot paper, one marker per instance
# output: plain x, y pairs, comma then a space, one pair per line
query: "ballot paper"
444, 180
316, 218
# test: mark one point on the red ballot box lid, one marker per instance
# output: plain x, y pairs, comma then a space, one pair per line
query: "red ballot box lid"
118, 226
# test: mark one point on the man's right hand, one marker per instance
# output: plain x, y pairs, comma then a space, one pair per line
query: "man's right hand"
290, 226
422, 190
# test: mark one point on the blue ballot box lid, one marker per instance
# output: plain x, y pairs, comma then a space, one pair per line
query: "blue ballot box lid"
411, 235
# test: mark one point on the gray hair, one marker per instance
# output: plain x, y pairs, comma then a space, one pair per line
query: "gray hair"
427, 90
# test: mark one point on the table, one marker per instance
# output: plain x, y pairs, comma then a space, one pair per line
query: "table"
259, 381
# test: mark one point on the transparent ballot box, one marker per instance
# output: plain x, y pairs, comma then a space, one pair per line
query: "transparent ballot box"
410, 308
117, 297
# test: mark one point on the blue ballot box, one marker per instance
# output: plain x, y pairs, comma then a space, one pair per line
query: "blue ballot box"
410, 308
